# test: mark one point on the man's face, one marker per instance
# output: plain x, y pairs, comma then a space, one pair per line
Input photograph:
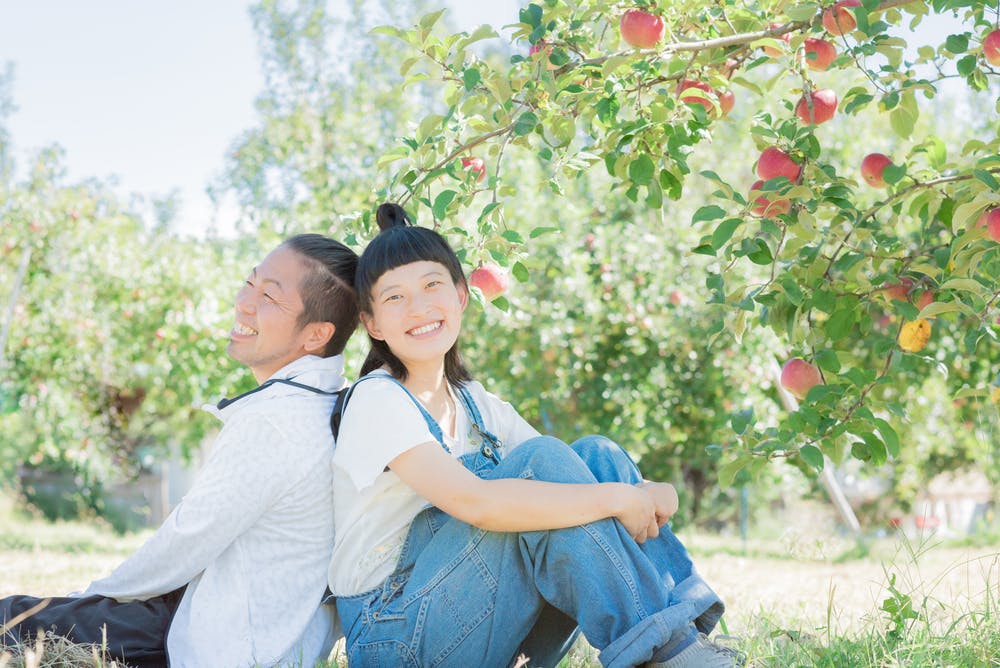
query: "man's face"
266, 335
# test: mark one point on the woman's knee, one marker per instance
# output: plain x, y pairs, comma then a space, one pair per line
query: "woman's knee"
607, 460
544, 458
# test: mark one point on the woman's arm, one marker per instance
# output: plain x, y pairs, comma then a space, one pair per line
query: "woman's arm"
516, 504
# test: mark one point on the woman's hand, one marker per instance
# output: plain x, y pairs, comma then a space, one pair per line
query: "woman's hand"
664, 496
638, 512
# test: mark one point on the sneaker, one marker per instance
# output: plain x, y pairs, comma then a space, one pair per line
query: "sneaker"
704, 653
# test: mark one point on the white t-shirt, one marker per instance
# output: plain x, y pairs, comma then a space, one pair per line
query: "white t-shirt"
373, 508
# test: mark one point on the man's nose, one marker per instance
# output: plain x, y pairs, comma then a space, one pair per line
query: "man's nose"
244, 300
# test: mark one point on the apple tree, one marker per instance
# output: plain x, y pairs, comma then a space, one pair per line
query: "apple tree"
877, 278
116, 334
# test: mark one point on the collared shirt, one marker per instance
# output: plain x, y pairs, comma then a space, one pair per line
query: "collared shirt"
252, 538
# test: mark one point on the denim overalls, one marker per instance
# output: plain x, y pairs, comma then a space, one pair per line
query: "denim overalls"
465, 597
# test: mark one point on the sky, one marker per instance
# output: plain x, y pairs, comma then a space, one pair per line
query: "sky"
149, 93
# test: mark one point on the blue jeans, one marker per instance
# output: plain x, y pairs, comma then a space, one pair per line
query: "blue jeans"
462, 596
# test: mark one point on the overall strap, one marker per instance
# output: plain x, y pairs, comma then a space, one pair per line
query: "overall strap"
490, 444
432, 424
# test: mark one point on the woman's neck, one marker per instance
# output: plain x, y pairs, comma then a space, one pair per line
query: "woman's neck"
430, 387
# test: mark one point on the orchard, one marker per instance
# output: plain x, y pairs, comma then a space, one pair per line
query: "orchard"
659, 205
803, 252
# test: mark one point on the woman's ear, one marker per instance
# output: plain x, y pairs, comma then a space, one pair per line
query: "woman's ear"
369, 322
463, 295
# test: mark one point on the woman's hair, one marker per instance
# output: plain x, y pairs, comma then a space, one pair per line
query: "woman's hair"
328, 287
399, 243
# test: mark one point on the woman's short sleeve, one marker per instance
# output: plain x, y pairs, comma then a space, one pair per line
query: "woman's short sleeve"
380, 423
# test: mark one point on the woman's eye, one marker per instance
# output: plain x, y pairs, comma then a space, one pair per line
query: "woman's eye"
268, 297
434, 284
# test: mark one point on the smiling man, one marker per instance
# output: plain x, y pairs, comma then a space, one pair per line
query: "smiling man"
238, 570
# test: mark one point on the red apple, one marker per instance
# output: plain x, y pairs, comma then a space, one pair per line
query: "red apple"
924, 299
871, 169
773, 162
991, 48
641, 29
786, 38
727, 100
799, 376
476, 166
824, 106
491, 280
839, 20
993, 225
541, 46
899, 290
764, 206
705, 101
819, 53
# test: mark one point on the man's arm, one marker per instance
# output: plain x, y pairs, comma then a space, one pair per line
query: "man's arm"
242, 476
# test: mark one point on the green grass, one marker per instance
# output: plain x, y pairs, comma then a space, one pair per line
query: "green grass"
927, 602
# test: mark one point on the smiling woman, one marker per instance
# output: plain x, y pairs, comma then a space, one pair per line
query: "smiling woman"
463, 536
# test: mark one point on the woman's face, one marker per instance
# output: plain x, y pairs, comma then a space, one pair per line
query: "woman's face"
417, 310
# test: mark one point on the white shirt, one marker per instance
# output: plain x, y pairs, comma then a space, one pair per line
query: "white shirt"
373, 507
252, 538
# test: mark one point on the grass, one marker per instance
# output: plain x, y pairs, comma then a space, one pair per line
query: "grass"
795, 598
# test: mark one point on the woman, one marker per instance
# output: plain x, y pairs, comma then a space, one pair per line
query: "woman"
457, 524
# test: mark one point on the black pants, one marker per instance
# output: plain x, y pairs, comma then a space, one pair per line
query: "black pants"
136, 630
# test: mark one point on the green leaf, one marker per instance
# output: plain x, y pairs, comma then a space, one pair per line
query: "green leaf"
889, 436
840, 324
724, 231
804, 11
471, 77
539, 231
987, 178
812, 456
519, 272
761, 253
428, 20
501, 303
641, 170
828, 361
893, 173
966, 65
488, 209
741, 420
441, 203
525, 123
513, 237
728, 471
532, 15
710, 212
957, 43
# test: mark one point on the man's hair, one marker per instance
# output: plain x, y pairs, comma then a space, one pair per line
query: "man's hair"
328, 287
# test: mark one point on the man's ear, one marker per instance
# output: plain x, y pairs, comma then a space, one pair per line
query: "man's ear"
369, 322
318, 334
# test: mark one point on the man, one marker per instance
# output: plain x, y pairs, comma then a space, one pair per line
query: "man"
237, 572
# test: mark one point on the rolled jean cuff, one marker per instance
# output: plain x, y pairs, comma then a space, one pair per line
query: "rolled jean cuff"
691, 601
